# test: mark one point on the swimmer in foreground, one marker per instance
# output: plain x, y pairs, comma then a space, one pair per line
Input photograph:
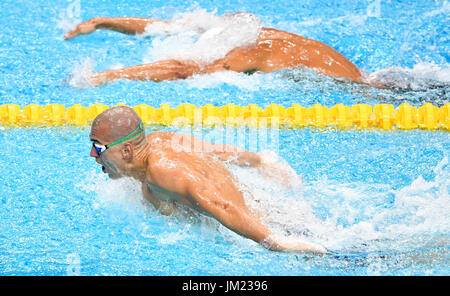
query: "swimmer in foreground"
273, 50
177, 168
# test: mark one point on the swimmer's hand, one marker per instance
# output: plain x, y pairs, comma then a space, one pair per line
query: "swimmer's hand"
83, 28
284, 244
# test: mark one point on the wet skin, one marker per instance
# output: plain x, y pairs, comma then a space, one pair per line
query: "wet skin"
172, 172
274, 50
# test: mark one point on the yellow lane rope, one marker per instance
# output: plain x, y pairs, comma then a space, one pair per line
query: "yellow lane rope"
382, 116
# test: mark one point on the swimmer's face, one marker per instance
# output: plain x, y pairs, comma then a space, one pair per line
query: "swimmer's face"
111, 159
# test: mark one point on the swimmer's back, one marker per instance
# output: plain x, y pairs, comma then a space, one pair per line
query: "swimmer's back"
291, 50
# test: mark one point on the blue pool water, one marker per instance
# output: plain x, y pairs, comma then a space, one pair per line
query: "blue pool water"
380, 200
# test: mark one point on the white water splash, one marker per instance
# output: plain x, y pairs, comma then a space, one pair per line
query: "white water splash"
255, 82
358, 217
445, 9
201, 36
81, 73
70, 17
421, 76
123, 193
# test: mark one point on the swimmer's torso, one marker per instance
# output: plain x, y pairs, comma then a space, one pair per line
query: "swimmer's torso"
275, 50
170, 171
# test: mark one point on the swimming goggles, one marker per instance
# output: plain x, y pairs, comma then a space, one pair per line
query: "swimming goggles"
102, 148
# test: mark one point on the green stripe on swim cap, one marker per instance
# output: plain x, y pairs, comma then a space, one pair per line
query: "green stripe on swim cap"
130, 136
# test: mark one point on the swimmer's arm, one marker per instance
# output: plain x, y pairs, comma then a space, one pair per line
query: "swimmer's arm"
241, 157
125, 25
242, 222
157, 71
227, 153
223, 152
234, 155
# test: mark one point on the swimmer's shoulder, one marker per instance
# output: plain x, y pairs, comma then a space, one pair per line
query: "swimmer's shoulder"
159, 136
169, 136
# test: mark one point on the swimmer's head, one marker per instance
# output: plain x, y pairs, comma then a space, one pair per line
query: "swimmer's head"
117, 135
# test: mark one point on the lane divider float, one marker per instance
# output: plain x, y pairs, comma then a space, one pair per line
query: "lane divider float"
361, 116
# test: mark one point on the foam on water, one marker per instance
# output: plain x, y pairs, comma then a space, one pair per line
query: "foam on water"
421, 76
124, 193
355, 217
242, 81
444, 9
69, 17
201, 36
81, 72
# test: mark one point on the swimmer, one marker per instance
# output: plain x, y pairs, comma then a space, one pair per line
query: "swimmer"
273, 50
173, 172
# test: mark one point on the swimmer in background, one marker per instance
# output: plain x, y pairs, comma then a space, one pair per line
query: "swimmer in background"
173, 172
273, 50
